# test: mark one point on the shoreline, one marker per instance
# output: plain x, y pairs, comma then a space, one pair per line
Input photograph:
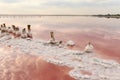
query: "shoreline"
107, 16
32, 66
64, 57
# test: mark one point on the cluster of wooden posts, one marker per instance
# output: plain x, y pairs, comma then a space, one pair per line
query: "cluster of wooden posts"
88, 49
25, 33
15, 32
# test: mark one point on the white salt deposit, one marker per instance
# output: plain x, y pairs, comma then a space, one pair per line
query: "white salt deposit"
70, 43
100, 69
89, 48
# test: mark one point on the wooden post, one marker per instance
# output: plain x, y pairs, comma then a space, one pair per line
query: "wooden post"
89, 43
16, 29
52, 36
29, 34
29, 28
60, 42
18, 34
1, 27
13, 26
23, 31
8, 29
23, 35
4, 25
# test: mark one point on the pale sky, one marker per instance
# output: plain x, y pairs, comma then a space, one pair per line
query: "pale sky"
59, 6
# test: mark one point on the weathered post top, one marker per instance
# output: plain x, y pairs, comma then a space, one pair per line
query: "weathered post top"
1, 25
89, 48
4, 25
23, 30
29, 28
89, 43
13, 26
52, 35
17, 28
60, 42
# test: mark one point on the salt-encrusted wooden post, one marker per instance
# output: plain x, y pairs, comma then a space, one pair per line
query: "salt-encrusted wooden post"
23, 35
1, 26
89, 43
13, 26
24, 31
52, 36
29, 34
18, 34
89, 48
29, 28
4, 25
13, 31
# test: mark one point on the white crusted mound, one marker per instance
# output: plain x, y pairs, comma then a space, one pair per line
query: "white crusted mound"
89, 48
100, 69
70, 43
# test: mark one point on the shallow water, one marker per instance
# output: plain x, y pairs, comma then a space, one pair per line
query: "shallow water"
15, 65
102, 32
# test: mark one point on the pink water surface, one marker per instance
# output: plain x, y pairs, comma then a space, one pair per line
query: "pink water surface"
105, 45
15, 65
103, 33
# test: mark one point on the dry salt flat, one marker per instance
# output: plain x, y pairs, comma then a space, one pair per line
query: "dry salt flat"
86, 66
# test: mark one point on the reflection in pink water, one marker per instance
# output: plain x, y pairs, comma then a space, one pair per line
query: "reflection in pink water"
108, 47
17, 66
103, 33
105, 43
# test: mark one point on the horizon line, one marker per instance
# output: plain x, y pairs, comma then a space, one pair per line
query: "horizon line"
41, 14
52, 14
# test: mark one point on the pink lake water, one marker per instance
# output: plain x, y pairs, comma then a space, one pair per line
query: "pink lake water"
103, 33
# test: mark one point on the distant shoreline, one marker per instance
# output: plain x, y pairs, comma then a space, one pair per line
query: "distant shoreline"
117, 16
41, 15
108, 16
